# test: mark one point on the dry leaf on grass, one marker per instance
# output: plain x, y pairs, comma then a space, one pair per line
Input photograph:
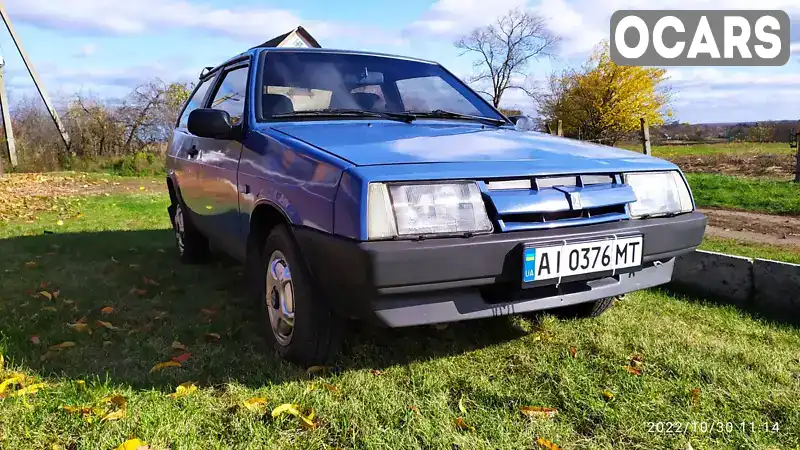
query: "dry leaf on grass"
461, 406
107, 325
163, 365
213, 336
573, 352
254, 402
107, 310
80, 327
695, 393
462, 425
62, 346
608, 395
139, 292
376, 372
114, 415
286, 408
179, 347
548, 445
133, 444
182, 357
637, 360
11, 381
46, 295
27, 390
540, 412
414, 408
183, 389
633, 370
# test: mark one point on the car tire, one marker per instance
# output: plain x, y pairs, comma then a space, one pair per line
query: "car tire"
315, 333
192, 245
583, 310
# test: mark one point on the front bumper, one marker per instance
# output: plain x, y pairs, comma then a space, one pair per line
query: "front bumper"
403, 283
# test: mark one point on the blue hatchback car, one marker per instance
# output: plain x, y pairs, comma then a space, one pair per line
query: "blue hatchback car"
356, 185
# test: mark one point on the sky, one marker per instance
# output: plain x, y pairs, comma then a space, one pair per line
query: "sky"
104, 48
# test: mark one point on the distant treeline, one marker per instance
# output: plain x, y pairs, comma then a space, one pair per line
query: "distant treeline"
130, 132
768, 131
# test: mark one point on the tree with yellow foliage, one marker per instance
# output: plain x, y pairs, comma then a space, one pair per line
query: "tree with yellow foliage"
603, 101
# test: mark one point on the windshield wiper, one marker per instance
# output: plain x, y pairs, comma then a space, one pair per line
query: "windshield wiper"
402, 117
444, 114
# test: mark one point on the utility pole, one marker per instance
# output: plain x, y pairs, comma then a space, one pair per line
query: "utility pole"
645, 136
35, 77
7, 127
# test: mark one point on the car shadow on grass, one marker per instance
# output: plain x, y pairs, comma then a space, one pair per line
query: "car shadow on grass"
141, 306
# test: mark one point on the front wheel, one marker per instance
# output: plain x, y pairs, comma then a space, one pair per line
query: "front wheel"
302, 327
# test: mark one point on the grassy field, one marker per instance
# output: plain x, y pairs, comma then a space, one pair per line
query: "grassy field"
751, 250
769, 196
111, 259
671, 151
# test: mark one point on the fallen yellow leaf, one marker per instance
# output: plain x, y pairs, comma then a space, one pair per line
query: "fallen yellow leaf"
63, 345
608, 395
308, 422
544, 443
46, 295
539, 411
60, 223
133, 444
80, 327
32, 389
163, 365
107, 310
286, 408
461, 406
107, 325
183, 389
254, 402
116, 399
114, 415
14, 379
81, 384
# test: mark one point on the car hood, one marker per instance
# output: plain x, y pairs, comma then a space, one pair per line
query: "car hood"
379, 143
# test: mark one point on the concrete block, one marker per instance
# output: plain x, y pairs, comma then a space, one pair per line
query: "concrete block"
777, 288
716, 274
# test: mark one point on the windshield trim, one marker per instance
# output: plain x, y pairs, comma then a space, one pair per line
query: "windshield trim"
262, 61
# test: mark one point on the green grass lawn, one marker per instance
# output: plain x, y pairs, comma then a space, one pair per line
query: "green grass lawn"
404, 388
671, 151
751, 250
769, 196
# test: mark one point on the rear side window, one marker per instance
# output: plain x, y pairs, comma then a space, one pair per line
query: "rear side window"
231, 94
196, 101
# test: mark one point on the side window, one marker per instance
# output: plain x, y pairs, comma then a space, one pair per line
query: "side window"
231, 94
195, 102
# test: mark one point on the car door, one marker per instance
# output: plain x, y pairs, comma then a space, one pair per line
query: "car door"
219, 163
184, 152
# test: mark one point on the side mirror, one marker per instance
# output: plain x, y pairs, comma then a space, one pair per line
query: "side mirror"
210, 123
523, 123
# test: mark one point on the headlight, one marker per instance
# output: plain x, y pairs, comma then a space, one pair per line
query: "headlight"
395, 210
658, 194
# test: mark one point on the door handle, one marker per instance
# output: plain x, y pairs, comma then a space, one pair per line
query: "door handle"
192, 152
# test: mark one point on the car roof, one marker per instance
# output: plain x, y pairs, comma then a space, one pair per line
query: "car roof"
255, 51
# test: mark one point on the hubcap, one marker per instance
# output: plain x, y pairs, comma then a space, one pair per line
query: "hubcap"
280, 298
180, 228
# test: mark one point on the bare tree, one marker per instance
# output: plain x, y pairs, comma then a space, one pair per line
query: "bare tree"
504, 49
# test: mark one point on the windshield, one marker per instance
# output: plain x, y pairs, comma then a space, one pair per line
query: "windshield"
301, 83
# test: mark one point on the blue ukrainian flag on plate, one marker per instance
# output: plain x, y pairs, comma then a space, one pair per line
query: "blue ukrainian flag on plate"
529, 265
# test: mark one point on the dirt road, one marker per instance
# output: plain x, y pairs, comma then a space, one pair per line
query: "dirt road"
759, 228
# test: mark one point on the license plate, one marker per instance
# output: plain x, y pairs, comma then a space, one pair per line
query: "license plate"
559, 260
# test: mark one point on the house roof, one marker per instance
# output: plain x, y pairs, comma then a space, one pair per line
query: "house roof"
276, 41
